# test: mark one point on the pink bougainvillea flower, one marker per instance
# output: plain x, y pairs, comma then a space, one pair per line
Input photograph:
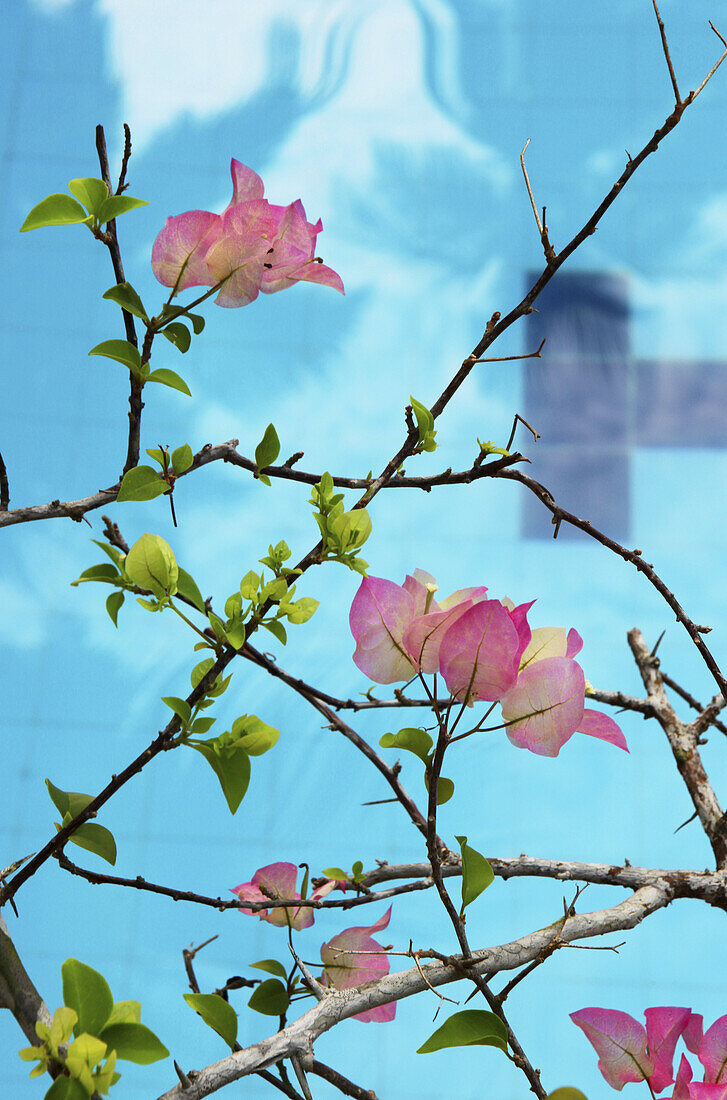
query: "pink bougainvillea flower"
424, 636
683, 1078
380, 613
251, 246
480, 654
707, 1092
551, 641
663, 1027
693, 1032
277, 880
712, 1053
620, 1042
545, 708
353, 958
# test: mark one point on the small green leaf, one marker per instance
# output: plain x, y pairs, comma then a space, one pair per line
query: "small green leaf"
277, 629
88, 994
142, 483
216, 1013
182, 459
169, 378
197, 322
270, 998
94, 838
201, 725
268, 448
300, 611
271, 966
445, 788
91, 192
186, 587
65, 1088
178, 334
253, 735
102, 572
477, 874
566, 1093
115, 205
133, 1042
120, 350
114, 604
117, 557
417, 741
231, 766
425, 425
56, 209
125, 1012
125, 296
180, 707
335, 873
68, 802
473, 1027
151, 565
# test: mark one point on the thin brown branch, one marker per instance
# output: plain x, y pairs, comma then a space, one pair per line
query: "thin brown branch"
4, 487
521, 419
509, 358
667, 55
348, 1088
690, 700
122, 185
542, 227
560, 515
683, 740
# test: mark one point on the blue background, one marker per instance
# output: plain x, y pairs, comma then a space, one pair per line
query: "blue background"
399, 122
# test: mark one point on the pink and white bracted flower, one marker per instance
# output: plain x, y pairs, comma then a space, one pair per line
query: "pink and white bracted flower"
712, 1053
251, 246
278, 880
620, 1042
353, 958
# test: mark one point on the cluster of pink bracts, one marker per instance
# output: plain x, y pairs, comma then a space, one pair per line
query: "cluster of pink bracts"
349, 959
252, 246
629, 1052
485, 650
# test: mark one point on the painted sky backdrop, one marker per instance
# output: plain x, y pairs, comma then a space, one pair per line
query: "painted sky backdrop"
399, 123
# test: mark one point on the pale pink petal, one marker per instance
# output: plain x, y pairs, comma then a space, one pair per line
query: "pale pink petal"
600, 725
479, 654
575, 643
707, 1092
693, 1032
246, 184
519, 617
309, 271
681, 1085
278, 881
619, 1041
663, 1028
423, 638
179, 252
545, 641
545, 707
380, 613
476, 594
238, 256
416, 585
353, 958
712, 1052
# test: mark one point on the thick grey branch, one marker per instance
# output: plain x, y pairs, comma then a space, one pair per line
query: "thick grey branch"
17, 992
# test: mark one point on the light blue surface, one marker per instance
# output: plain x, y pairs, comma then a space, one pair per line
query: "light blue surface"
399, 123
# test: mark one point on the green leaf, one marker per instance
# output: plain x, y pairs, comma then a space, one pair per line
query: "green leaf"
151, 565
125, 296
169, 378
473, 1027
230, 765
425, 424
182, 458
88, 994
56, 209
277, 629
102, 572
335, 873
216, 1013
201, 725
125, 1012
445, 788
268, 448
477, 874
253, 735
197, 322
68, 802
270, 998
180, 707
65, 1088
300, 611
94, 838
134, 1042
566, 1093
91, 192
417, 741
120, 350
178, 334
115, 205
142, 483
117, 557
271, 966
114, 604
186, 587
